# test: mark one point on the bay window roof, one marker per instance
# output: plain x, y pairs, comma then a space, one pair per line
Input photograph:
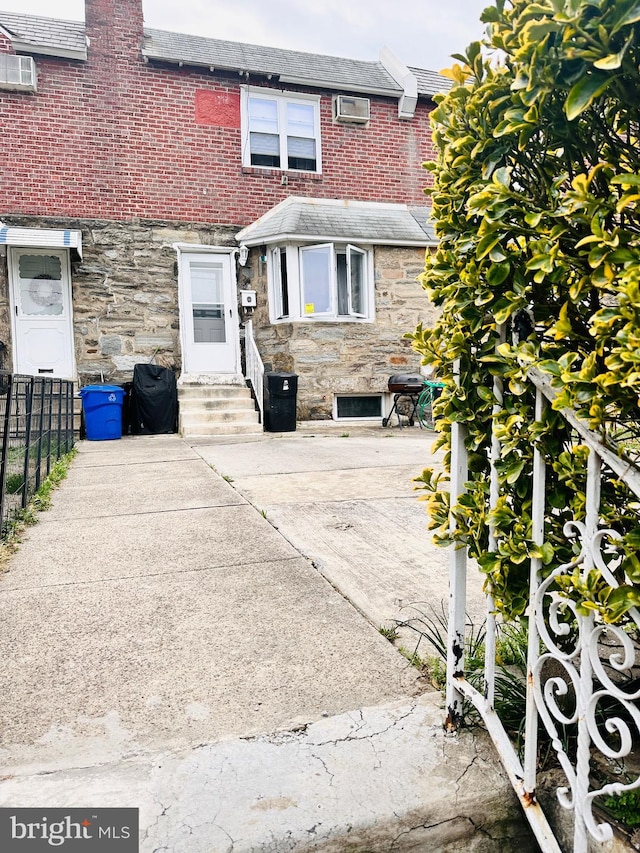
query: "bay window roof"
341, 220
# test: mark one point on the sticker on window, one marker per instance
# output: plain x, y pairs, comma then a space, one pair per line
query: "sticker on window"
310, 308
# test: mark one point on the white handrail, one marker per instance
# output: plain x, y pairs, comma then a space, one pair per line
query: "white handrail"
254, 368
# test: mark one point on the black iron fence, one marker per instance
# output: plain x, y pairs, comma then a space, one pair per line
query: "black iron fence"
36, 423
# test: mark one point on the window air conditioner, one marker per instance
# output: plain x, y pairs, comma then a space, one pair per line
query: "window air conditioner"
17, 72
351, 110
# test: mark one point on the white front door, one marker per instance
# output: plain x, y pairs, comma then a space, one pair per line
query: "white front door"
41, 312
208, 313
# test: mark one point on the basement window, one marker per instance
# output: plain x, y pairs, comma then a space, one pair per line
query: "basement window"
358, 406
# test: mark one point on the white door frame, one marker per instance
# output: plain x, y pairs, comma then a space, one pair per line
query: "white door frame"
184, 252
14, 302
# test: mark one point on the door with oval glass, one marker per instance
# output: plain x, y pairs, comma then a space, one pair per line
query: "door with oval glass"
41, 312
208, 314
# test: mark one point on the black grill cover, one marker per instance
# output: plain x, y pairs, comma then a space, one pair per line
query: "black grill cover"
154, 400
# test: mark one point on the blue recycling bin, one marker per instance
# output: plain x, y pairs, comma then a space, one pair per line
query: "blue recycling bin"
102, 407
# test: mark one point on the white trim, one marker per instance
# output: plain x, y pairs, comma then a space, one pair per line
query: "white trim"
274, 274
281, 98
356, 250
321, 318
48, 50
196, 247
331, 281
369, 418
332, 238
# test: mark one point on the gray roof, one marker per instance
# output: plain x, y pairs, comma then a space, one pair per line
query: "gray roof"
49, 36
430, 82
310, 219
289, 66
34, 34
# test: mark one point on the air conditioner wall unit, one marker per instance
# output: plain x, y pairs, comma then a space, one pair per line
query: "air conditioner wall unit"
351, 110
17, 73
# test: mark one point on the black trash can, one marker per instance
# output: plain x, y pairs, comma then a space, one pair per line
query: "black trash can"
153, 405
127, 387
280, 395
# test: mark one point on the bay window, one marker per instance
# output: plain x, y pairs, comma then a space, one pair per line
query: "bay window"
328, 281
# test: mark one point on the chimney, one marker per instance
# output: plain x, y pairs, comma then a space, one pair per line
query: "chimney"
114, 28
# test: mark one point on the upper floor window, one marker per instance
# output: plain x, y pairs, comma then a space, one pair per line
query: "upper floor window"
328, 281
280, 130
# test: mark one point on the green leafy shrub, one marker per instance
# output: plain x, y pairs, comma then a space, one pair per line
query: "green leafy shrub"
536, 200
625, 807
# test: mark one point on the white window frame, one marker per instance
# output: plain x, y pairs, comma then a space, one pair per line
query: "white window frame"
275, 275
294, 253
281, 99
331, 281
368, 418
350, 251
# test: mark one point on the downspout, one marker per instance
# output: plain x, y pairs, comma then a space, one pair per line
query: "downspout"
407, 81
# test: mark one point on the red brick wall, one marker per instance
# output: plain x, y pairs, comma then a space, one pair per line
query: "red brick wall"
115, 138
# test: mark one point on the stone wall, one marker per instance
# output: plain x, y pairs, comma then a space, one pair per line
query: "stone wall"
346, 358
125, 311
125, 293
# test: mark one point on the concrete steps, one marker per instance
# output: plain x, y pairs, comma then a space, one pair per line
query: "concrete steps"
210, 410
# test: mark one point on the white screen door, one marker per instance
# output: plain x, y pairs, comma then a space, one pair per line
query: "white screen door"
208, 314
42, 315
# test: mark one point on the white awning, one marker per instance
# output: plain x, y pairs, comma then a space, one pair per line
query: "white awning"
41, 238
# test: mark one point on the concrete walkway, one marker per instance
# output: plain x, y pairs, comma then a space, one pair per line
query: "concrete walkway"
164, 646
345, 498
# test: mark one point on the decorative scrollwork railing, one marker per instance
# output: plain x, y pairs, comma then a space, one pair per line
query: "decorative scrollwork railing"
583, 673
575, 644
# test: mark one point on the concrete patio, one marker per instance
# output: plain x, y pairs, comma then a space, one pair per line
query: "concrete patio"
167, 646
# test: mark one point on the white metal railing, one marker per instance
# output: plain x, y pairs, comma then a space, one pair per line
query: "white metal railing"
254, 368
571, 656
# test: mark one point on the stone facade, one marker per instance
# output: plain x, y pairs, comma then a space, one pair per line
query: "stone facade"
125, 311
346, 358
125, 293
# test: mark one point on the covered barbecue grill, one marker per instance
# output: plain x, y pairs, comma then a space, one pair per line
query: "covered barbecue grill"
406, 389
